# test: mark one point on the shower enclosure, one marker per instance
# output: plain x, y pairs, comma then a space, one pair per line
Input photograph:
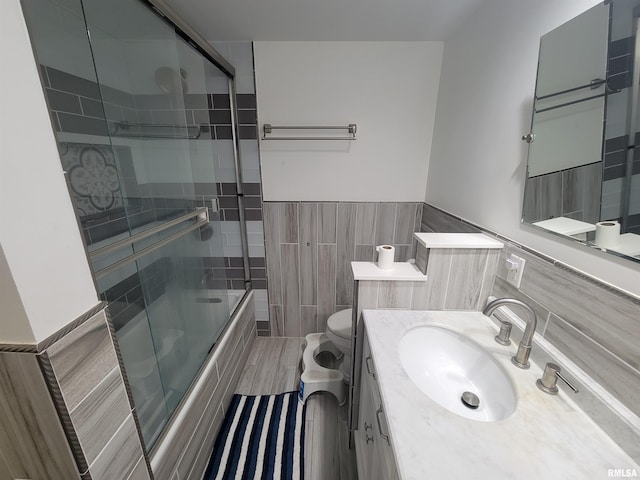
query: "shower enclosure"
145, 122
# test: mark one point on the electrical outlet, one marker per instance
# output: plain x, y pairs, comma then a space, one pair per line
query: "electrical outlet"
515, 268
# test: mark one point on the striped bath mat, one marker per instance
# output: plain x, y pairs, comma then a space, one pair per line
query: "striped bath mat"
262, 438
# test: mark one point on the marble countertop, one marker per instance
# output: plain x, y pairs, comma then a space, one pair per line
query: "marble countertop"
546, 437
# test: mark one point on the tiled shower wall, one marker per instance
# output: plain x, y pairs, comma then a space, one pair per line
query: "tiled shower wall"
309, 250
594, 325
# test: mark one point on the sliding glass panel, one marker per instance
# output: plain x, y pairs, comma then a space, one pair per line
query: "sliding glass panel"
156, 103
143, 123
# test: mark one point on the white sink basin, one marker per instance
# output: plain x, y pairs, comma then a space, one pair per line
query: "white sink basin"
445, 364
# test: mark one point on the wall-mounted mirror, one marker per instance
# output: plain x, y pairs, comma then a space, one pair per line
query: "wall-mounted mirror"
583, 169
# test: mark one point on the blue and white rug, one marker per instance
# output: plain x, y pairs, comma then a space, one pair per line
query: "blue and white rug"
262, 438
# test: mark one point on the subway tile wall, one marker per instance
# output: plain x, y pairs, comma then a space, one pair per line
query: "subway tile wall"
309, 247
76, 106
593, 324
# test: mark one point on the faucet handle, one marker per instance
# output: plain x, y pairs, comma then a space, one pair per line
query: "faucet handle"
549, 380
505, 331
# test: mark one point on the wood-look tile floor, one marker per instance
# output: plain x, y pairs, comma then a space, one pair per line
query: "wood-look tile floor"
272, 368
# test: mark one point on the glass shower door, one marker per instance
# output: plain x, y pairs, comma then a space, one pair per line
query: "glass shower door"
153, 86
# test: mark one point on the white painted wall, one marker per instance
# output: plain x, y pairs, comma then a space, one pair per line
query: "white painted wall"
388, 89
477, 168
38, 230
14, 324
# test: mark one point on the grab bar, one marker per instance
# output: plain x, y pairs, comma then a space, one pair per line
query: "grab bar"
267, 129
595, 83
566, 104
145, 251
128, 130
201, 212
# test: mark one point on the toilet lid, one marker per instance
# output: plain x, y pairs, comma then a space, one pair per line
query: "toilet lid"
340, 323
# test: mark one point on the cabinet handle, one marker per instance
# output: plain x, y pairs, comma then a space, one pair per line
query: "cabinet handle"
369, 369
367, 427
368, 439
386, 437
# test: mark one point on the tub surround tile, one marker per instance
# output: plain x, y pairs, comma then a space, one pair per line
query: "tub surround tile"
97, 416
84, 367
201, 461
4, 469
82, 359
120, 456
32, 441
140, 471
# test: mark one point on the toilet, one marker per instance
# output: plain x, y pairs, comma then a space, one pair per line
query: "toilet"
339, 332
336, 340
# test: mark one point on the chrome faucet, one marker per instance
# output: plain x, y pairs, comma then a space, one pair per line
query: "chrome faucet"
521, 358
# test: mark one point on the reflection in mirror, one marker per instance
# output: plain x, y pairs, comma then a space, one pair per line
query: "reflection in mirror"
583, 175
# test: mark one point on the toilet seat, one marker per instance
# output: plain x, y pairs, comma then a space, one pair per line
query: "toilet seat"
339, 329
340, 323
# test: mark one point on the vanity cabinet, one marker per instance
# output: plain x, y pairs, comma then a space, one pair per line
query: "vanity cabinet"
373, 445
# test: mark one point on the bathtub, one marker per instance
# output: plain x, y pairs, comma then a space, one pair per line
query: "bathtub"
164, 347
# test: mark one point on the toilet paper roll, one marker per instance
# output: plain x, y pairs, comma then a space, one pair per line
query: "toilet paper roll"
386, 254
607, 234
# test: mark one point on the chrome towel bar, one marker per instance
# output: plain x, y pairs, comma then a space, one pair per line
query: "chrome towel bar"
268, 129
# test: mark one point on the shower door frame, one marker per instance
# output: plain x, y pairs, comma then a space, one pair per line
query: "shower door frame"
197, 41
